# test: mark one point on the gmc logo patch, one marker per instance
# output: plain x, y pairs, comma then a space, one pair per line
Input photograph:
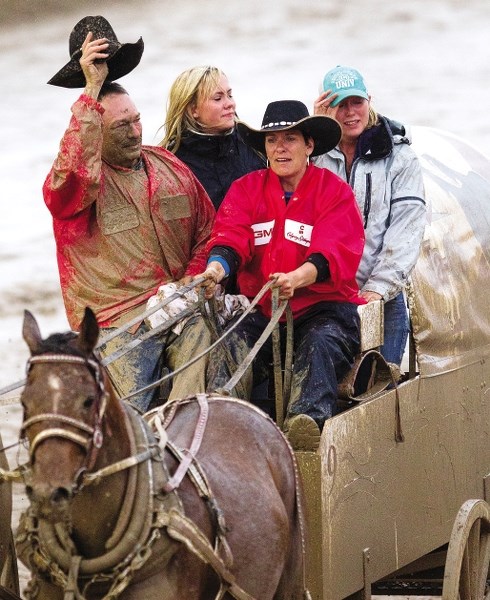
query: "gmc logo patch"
263, 232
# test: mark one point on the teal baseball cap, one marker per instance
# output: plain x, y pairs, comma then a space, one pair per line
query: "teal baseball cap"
345, 82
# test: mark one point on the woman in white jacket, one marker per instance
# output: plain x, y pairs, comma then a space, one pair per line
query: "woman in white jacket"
375, 158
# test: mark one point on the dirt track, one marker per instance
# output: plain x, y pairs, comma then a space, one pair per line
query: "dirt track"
14, 12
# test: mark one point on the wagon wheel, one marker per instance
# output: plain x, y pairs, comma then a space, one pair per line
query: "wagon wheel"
468, 556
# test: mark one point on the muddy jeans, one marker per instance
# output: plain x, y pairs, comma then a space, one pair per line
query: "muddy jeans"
396, 329
326, 340
147, 362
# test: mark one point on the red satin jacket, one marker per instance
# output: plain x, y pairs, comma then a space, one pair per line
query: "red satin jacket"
271, 236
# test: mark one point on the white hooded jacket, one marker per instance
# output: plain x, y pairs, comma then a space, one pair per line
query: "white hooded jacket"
387, 181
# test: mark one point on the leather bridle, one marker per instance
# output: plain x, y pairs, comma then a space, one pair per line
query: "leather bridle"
88, 437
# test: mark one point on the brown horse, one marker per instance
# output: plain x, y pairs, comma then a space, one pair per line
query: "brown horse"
9, 579
207, 509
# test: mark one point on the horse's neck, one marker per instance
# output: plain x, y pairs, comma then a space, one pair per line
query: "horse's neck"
97, 508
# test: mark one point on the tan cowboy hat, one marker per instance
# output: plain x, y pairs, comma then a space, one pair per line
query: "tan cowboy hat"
122, 59
292, 114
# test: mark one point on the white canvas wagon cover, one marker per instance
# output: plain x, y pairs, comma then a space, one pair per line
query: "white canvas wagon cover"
449, 299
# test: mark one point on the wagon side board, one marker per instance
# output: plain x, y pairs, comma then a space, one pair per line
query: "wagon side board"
310, 467
395, 501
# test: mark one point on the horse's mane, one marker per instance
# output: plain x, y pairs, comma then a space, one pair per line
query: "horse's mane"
61, 343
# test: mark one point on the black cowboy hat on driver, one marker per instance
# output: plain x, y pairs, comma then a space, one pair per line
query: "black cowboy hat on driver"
292, 114
122, 58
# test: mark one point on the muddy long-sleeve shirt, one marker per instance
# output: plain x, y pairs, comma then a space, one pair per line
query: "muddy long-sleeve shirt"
121, 233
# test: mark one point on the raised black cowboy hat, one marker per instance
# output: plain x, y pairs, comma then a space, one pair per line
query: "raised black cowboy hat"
122, 58
293, 114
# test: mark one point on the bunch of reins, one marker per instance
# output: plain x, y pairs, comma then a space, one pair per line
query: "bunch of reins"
282, 376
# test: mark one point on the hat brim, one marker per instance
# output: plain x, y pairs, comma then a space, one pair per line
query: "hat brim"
324, 131
342, 95
122, 62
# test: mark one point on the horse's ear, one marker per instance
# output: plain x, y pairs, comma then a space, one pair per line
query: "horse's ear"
89, 332
31, 333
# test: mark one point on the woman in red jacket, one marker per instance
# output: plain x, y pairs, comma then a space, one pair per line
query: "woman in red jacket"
299, 225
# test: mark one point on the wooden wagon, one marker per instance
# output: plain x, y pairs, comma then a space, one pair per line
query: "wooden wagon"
400, 482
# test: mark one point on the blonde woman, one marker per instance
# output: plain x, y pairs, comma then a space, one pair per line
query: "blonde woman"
374, 156
200, 130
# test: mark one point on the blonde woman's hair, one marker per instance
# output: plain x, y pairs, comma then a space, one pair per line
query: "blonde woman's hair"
373, 118
187, 91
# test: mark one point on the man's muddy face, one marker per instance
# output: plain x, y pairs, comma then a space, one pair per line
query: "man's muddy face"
122, 131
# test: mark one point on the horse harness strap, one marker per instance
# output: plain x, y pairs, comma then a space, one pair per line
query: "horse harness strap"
186, 531
194, 472
190, 455
126, 463
71, 587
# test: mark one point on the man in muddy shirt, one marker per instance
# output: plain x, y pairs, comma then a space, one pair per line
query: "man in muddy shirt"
127, 218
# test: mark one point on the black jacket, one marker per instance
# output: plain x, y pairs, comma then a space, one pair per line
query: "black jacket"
217, 160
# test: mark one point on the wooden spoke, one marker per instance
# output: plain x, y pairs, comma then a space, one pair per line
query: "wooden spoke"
468, 557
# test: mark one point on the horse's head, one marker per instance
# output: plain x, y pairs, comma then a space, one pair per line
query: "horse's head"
64, 402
